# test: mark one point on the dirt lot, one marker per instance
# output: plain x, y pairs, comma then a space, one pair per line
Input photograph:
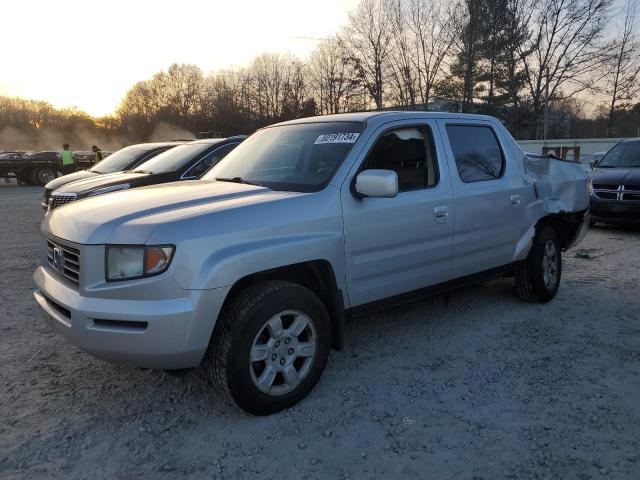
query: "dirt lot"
480, 386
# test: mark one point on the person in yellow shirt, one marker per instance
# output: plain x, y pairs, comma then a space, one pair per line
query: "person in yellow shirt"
68, 163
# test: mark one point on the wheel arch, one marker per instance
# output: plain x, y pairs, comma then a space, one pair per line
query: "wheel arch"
567, 226
316, 275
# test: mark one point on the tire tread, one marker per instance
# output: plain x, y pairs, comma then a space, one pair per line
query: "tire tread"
223, 336
526, 286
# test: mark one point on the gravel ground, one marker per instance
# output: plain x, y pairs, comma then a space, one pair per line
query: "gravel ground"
474, 386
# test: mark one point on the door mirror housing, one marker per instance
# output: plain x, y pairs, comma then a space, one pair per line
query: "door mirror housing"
377, 183
593, 164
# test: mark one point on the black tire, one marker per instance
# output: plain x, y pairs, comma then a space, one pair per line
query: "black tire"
179, 372
43, 175
531, 283
227, 361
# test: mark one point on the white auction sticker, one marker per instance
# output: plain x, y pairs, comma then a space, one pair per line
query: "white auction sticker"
346, 137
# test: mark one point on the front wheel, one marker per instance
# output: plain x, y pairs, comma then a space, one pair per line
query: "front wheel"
538, 279
43, 175
271, 346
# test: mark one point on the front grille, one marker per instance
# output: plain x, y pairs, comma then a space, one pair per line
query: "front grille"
629, 193
59, 199
607, 195
65, 260
603, 186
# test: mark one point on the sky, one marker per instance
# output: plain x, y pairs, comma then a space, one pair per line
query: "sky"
88, 53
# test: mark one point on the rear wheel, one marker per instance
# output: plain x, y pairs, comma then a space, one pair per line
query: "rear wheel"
271, 346
43, 175
539, 278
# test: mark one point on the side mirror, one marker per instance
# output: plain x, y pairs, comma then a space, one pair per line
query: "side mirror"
377, 183
593, 164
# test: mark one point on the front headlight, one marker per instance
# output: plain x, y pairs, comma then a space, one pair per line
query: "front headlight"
125, 263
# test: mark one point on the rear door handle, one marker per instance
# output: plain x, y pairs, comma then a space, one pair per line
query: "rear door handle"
515, 200
441, 213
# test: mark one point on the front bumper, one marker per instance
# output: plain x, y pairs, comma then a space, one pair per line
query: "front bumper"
614, 211
165, 333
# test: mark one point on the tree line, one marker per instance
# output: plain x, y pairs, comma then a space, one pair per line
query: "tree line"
546, 68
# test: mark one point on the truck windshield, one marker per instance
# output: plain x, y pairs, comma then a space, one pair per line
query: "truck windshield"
176, 158
120, 160
298, 157
623, 155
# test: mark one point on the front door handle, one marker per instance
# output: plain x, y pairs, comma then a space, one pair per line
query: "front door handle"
441, 213
515, 201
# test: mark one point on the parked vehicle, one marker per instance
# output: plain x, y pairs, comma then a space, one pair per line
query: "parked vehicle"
589, 160
184, 162
615, 191
253, 269
126, 158
9, 159
34, 168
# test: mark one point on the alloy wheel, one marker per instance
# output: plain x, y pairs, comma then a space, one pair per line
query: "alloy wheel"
550, 264
283, 352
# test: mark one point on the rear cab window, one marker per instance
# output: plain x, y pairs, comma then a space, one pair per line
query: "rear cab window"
476, 151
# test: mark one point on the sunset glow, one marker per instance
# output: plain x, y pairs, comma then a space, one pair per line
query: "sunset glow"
87, 54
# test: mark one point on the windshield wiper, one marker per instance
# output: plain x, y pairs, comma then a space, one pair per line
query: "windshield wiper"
237, 180
142, 171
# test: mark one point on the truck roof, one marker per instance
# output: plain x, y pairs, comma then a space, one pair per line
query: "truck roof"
384, 116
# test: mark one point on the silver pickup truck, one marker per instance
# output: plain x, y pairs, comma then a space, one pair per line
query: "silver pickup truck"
252, 271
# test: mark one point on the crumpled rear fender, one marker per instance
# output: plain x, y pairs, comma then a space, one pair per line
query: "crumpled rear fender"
562, 195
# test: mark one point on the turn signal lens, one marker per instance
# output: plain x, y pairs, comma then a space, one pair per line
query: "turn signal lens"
156, 259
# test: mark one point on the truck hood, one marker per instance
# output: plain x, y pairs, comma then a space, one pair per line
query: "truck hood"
616, 176
129, 217
87, 185
72, 177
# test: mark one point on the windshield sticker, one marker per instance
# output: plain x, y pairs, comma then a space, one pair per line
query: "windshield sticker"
346, 137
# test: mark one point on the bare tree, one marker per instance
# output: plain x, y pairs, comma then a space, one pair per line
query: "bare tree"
266, 78
402, 65
331, 76
431, 24
622, 83
278, 87
179, 89
564, 52
139, 109
368, 38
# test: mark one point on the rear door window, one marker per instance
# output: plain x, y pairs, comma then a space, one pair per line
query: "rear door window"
476, 151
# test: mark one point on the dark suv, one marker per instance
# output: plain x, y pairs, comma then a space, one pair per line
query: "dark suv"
124, 159
185, 162
615, 192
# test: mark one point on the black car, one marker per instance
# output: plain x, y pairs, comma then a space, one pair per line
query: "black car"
615, 192
184, 162
124, 159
